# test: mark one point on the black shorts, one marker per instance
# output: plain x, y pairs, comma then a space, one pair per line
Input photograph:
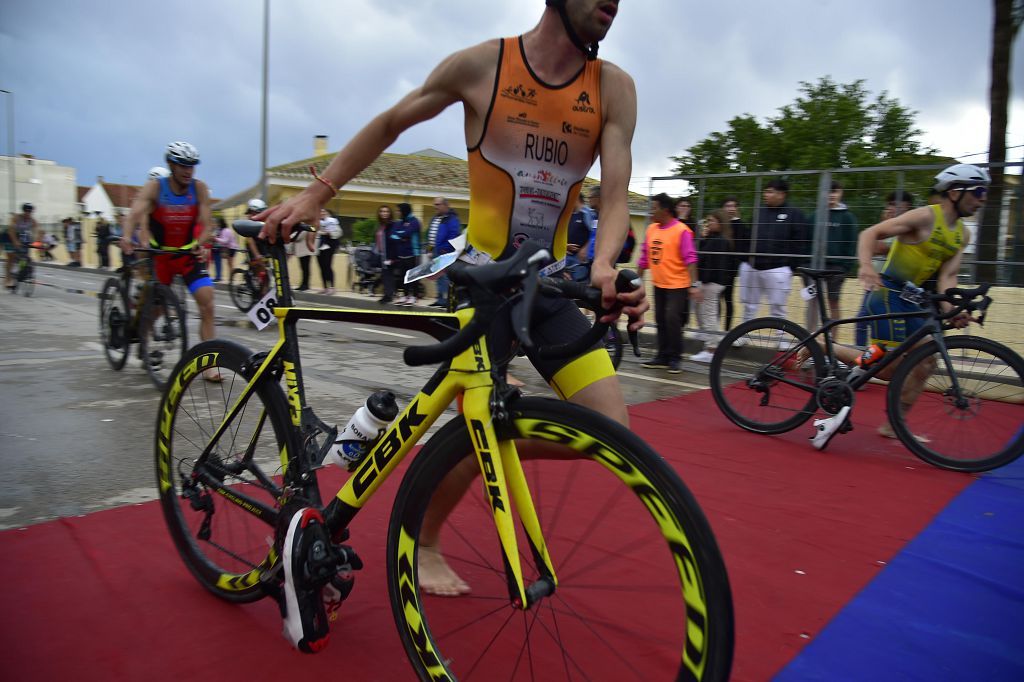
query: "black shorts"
555, 321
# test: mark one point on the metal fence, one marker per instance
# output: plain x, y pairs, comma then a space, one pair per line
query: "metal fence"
869, 193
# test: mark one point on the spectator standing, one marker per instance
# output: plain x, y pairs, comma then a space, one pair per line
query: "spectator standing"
594, 201
102, 247
628, 246
406, 235
329, 238
684, 213
668, 252
741, 243
444, 227
224, 251
73, 240
841, 251
386, 249
578, 236
716, 267
214, 254
304, 250
779, 234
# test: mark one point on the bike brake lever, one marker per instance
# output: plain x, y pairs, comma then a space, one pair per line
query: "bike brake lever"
634, 340
521, 313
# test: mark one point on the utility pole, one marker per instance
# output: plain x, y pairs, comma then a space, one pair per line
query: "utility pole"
263, 108
11, 161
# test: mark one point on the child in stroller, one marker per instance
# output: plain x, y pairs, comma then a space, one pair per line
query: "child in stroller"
367, 265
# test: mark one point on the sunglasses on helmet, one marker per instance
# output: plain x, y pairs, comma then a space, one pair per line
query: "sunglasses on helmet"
977, 191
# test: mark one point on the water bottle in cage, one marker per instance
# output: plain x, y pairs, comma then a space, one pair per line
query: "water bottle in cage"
364, 429
870, 356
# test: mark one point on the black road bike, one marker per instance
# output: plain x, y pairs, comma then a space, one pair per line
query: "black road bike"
251, 283
148, 314
24, 272
770, 375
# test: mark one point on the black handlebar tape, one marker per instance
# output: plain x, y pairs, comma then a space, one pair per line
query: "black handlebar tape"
626, 281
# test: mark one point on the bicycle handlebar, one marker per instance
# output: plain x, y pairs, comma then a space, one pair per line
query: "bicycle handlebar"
961, 300
250, 229
487, 282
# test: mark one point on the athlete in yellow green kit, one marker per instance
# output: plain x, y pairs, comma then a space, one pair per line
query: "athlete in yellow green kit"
929, 242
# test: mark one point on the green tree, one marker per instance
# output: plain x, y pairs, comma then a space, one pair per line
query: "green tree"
829, 125
363, 231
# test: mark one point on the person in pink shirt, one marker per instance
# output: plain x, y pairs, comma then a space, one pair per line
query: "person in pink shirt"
668, 252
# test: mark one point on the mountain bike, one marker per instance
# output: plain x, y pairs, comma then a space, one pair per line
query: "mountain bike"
150, 315
611, 572
770, 375
249, 284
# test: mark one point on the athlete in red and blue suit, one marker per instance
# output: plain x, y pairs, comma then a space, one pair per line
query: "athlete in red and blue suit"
173, 214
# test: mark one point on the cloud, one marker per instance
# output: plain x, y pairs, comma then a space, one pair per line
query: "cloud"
103, 88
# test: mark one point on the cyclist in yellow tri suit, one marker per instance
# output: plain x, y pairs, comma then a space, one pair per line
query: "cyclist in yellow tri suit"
538, 110
930, 241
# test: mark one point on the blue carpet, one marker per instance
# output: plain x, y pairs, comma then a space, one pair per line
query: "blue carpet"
950, 606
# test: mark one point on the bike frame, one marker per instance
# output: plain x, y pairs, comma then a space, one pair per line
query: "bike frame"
930, 328
470, 374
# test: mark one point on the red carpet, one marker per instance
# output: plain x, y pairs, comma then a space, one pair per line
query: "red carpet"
106, 597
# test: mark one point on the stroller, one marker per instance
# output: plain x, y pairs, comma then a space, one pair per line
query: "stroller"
367, 265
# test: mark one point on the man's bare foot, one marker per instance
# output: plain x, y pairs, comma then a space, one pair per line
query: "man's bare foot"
512, 381
886, 431
436, 576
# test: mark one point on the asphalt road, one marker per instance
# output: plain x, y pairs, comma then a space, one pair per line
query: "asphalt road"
77, 436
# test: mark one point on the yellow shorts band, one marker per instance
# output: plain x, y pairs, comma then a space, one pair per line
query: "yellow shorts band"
581, 372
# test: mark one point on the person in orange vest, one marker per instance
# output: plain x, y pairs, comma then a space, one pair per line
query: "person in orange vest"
669, 254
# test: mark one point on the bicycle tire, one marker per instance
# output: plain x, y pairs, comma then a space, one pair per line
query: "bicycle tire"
984, 432
27, 282
163, 335
114, 317
180, 290
231, 560
441, 635
746, 380
241, 290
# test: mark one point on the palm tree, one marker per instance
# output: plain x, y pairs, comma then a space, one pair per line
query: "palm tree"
1007, 21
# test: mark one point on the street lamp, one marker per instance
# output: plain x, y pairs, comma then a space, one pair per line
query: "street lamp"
10, 147
263, 104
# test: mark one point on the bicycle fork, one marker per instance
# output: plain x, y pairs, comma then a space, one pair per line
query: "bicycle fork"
503, 472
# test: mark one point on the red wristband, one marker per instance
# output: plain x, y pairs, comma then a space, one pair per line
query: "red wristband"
328, 183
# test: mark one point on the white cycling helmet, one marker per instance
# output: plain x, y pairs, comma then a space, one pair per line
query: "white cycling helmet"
961, 174
183, 154
157, 172
256, 205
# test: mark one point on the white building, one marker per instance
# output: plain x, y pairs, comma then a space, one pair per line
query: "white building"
52, 188
108, 199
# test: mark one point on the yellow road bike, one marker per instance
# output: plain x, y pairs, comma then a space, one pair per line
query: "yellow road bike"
587, 556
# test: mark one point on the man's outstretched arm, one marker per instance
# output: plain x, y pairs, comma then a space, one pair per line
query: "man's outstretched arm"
443, 87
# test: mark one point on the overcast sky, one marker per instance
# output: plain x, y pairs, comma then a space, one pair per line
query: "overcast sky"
104, 86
